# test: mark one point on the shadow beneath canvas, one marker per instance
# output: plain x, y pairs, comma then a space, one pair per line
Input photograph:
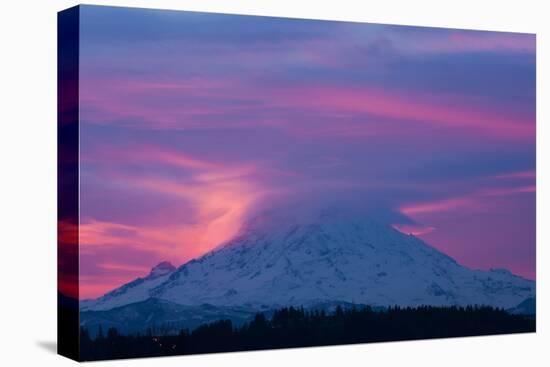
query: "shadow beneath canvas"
48, 345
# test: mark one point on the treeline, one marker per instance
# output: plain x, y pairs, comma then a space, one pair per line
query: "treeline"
296, 327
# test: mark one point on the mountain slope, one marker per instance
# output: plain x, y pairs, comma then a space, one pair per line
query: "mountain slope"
280, 259
134, 291
527, 307
161, 317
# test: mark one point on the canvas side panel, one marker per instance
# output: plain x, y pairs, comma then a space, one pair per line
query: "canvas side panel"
67, 182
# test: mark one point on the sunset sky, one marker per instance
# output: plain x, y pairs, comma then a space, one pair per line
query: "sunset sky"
191, 122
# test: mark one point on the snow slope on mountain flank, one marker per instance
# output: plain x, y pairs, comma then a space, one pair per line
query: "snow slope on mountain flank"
135, 291
278, 261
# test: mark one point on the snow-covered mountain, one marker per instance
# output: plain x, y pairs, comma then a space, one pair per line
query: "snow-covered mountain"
160, 316
280, 259
135, 291
527, 307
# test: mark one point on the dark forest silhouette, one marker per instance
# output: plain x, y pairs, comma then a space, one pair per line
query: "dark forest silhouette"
296, 327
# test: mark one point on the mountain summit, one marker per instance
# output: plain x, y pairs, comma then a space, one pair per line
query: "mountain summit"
161, 269
279, 260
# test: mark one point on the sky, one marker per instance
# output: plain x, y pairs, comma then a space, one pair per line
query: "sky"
191, 122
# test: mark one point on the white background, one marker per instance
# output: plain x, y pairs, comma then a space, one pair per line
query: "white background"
28, 182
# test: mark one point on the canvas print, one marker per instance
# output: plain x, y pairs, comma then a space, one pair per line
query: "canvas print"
232, 183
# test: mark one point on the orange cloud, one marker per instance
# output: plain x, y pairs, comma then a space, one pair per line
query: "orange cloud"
221, 200
220, 196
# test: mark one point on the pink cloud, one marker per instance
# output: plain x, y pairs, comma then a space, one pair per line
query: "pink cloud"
460, 41
146, 154
109, 101
437, 206
507, 191
491, 41
520, 174
129, 101
475, 200
154, 155
220, 196
438, 111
